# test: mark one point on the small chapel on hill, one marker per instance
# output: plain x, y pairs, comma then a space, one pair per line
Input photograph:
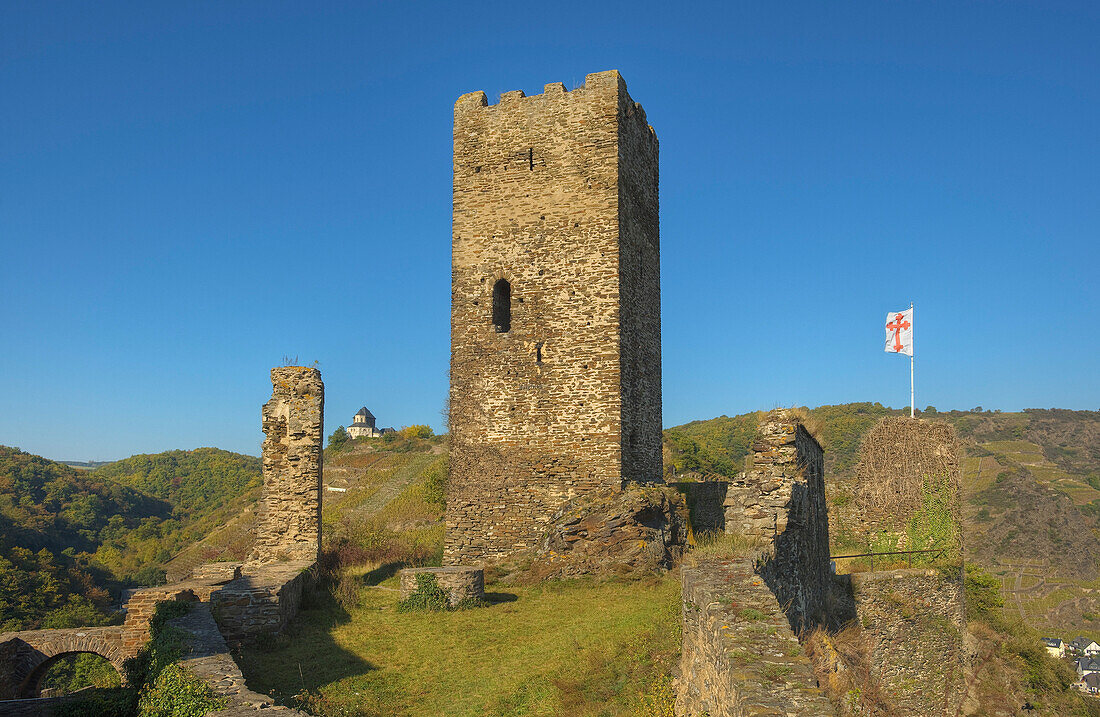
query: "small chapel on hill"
363, 426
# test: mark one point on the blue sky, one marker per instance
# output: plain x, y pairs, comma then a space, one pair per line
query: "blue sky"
190, 192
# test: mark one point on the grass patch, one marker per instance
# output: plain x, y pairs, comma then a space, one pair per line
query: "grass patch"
571, 647
712, 544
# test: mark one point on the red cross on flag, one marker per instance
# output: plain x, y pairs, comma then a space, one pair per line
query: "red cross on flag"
899, 332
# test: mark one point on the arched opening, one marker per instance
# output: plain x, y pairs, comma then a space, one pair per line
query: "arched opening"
69, 672
502, 306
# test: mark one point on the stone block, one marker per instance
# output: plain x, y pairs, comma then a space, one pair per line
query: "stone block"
458, 581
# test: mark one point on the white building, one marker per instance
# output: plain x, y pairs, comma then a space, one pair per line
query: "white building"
362, 426
1055, 646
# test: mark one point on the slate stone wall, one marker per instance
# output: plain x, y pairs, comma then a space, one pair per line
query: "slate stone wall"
913, 623
208, 657
781, 498
555, 194
289, 512
740, 657
264, 600
706, 500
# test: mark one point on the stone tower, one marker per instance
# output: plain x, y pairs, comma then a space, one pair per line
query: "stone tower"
288, 525
555, 309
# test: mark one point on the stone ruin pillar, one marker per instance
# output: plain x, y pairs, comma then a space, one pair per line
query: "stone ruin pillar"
781, 498
289, 513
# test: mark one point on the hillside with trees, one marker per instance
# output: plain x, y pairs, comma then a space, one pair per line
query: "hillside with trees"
71, 539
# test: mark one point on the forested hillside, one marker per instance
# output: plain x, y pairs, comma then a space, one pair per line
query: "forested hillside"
69, 538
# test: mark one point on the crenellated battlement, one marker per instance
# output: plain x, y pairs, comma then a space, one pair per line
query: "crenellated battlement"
596, 85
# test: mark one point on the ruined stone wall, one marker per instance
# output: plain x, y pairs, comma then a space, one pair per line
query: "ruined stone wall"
289, 512
913, 625
207, 656
42, 706
740, 657
557, 195
906, 496
897, 459
781, 497
263, 601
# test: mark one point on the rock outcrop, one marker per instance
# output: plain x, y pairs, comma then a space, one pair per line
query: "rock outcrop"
641, 529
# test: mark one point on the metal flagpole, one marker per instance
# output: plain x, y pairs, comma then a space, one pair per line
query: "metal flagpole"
912, 350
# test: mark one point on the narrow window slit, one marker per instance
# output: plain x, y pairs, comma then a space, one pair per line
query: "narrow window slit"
502, 306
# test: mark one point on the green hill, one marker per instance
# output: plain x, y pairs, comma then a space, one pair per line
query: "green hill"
194, 482
69, 537
53, 519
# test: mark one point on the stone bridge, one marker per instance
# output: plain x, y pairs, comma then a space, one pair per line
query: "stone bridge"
26, 656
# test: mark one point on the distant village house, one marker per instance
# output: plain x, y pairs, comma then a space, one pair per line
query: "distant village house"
1087, 666
363, 426
1084, 646
1055, 646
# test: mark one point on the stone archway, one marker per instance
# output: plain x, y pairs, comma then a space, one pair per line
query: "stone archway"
32, 684
26, 656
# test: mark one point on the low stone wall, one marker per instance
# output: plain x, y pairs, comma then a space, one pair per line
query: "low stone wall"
913, 622
217, 572
142, 604
41, 706
207, 656
264, 600
459, 582
739, 656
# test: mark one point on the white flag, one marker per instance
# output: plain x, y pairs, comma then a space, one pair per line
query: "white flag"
899, 332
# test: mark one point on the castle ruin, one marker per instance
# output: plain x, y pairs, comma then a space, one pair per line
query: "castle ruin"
289, 525
555, 309
248, 599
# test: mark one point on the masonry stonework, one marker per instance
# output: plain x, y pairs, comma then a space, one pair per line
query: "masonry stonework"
555, 309
740, 657
289, 513
460, 583
914, 625
783, 495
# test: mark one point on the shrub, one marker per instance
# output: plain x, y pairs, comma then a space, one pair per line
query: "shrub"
176, 692
983, 594
427, 597
435, 491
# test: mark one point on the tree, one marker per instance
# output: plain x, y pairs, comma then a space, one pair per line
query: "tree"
338, 438
416, 431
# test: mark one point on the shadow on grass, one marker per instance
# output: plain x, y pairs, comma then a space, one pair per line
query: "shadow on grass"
383, 572
498, 598
305, 657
